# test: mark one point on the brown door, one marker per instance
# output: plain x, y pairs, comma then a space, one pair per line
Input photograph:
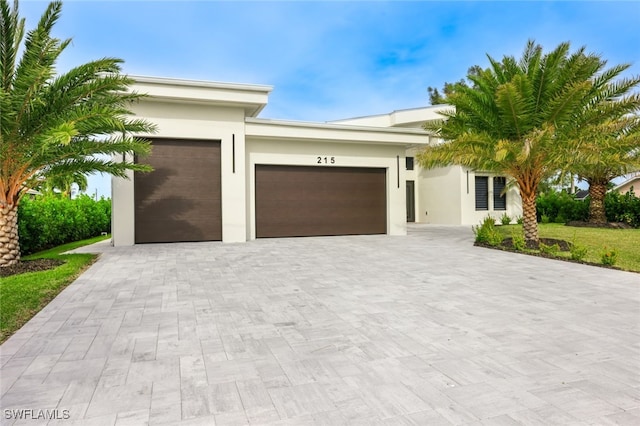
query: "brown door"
296, 201
180, 200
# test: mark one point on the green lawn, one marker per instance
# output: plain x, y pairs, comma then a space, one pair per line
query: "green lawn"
625, 241
24, 295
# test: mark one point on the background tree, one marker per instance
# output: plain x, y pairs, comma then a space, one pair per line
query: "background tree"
602, 153
64, 184
520, 115
56, 125
436, 98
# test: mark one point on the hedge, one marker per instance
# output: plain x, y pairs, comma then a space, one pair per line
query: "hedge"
560, 207
49, 221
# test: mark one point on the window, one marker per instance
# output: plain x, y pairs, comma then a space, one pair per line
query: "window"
499, 199
482, 193
409, 161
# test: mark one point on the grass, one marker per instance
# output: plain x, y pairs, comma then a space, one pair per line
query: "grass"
624, 241
24, 295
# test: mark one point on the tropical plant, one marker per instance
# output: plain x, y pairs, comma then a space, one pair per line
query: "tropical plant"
517, 239
486, 232
64, 184
608, 256
56, 125
519, 116
578, 251
603, 152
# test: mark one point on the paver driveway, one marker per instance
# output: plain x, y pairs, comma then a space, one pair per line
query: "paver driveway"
423, 329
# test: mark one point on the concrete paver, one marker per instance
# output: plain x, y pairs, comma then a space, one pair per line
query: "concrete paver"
423, 329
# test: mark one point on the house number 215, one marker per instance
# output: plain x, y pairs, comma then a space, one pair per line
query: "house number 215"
326, 160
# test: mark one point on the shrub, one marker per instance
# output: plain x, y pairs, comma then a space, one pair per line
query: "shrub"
578, 252
560, 207
623, 208
518, 240
549, 249
519, 220
608, 256
505, 219
49, 221
487, 233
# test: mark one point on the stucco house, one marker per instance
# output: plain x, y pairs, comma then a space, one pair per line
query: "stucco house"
221, 173
632, 184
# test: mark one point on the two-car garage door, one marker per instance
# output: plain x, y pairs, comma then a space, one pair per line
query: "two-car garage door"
293, 201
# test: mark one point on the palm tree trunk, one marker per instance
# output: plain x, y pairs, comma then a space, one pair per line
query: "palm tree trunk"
597, 192
529, 220
9, 244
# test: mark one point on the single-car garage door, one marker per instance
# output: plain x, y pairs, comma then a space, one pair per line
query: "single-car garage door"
295, 201
180, 199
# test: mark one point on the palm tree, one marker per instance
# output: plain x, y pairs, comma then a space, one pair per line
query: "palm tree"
519, 116
56, 125
603, 152
64, 184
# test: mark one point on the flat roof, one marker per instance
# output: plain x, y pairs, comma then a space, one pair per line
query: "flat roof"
252, 97
284, 129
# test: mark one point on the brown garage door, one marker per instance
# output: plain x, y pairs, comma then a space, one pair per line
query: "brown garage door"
295, 201
180, 199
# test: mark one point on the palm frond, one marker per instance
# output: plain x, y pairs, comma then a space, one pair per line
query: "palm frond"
56, 124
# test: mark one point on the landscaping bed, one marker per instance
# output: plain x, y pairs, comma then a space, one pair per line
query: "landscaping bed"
605, 247
35, 265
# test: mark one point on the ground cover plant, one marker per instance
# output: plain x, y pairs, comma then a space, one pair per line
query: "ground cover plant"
600, 246
26, 288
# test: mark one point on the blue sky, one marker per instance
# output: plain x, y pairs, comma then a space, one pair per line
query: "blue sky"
333, 59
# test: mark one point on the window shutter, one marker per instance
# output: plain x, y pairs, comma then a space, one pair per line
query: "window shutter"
409, 163
482, 193
499, 199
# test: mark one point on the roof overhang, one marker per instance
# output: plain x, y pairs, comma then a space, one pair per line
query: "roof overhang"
411, 118
252, 98
627, 182
257, 128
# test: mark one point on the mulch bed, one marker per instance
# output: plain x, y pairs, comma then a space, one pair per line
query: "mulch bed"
36, 265
507, 245
608, 225
562, 244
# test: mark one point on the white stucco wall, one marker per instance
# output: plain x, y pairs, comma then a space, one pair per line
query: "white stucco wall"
123, 208
438, 195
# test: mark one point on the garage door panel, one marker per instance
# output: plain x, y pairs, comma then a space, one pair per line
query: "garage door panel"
313, 201
181, 199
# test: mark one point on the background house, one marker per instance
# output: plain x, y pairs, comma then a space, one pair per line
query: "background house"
631, 184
